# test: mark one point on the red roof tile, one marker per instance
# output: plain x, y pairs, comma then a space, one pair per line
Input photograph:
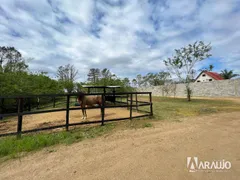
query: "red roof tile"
214, 75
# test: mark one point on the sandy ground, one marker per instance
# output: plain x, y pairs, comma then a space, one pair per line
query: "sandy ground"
58, 118
150, 153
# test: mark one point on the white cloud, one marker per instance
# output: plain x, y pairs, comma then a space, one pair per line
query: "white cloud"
128, 37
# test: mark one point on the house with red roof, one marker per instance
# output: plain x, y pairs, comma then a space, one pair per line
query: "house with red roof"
206, 76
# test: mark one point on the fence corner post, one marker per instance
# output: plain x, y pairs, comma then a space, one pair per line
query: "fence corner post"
67, 112
131, 101
1, 108
151, 107
127, 101
103, 108
54, 102
20, 117
136, 98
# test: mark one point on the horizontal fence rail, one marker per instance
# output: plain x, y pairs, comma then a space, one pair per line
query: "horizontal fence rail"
71, 94
132, 103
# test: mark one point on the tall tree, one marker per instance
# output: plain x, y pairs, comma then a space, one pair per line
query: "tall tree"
228, 74
126, 82
11, 60
78, 87
134, 82
106, 76
154, 79
93, 75
209, 68
139, 80
67, 75
184, 61
3, 56
105, 73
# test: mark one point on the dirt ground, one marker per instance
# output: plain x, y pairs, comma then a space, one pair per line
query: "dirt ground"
159, 152
58, 118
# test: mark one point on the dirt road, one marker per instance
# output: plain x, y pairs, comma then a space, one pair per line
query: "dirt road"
150, 153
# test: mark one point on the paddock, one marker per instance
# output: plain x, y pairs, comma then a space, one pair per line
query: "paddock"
45, 120
67, 115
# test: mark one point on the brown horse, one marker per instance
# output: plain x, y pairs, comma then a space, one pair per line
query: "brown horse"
88, 101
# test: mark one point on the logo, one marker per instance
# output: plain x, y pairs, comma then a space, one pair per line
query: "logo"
195, 165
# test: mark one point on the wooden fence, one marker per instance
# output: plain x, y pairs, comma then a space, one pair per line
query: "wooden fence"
117, 104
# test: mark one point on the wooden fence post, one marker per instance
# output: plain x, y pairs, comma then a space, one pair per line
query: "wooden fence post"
151, 107
131, 101
38, 102
1, 108
67, 112
114, 96
29, 104
103, 108
136, 98
54, 102
127, 102
20, 110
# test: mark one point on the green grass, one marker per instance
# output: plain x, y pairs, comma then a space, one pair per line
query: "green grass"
10, 147
175, 108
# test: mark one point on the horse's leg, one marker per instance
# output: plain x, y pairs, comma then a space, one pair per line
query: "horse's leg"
85, 114
82, 106
82, 113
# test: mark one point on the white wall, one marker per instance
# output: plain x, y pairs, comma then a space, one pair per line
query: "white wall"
223, 88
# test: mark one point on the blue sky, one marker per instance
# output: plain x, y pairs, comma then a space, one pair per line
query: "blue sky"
128, 37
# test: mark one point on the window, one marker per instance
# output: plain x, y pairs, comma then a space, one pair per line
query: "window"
203, 75
210, 79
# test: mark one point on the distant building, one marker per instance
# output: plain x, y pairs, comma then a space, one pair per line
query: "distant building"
206, 76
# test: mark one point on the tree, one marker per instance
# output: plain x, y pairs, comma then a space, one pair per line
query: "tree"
11, 60
66, 76
139, 80
26, 84
105, 76
160, 78
152, 79
126, 82
134, 82
209, 68
3, 56
228, 74
184, 60
78, 87
105, 73
93, 75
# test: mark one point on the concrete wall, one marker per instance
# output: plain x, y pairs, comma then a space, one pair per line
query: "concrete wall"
222, 88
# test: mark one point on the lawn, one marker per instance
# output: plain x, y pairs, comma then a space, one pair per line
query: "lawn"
167, 109
10, 147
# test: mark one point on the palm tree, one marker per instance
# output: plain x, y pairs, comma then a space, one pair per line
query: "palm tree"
210, 68
228, 74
